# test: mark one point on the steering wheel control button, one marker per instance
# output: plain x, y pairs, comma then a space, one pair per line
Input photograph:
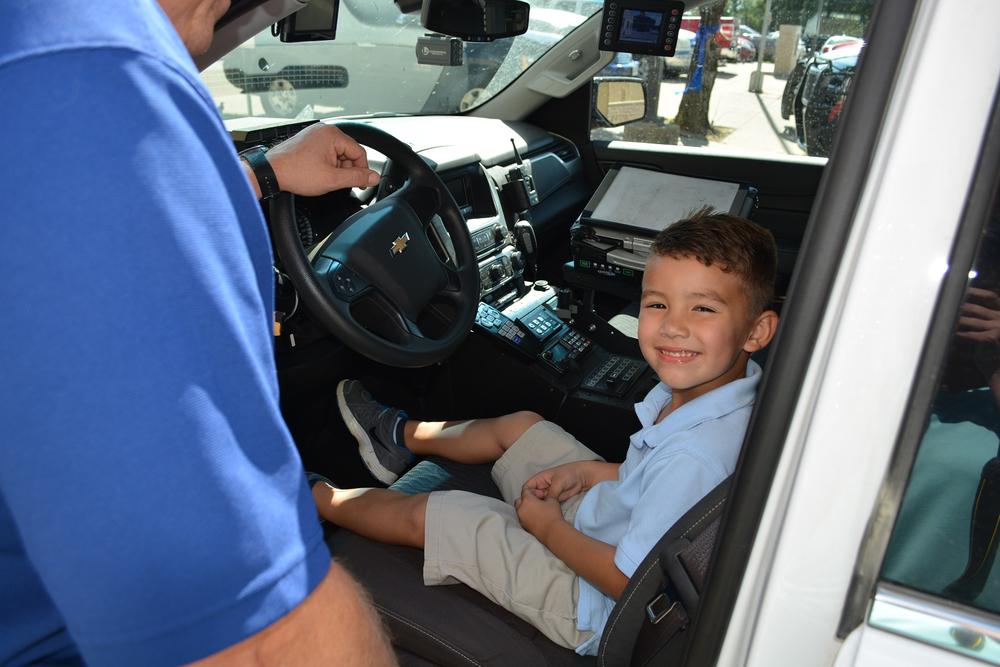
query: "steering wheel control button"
345, 283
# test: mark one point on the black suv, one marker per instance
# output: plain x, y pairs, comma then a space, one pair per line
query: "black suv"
815, 94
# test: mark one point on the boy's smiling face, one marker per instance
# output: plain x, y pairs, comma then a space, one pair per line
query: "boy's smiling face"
695, 326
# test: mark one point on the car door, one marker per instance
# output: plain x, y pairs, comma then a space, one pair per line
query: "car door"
870, 234
855, 378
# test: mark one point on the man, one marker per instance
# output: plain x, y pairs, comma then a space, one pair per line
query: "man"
152, 505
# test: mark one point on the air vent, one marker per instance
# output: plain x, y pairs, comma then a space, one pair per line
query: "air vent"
565, 150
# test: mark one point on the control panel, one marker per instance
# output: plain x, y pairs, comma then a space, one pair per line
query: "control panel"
487, 236
615, 376
492, 321
538, 334
494, 273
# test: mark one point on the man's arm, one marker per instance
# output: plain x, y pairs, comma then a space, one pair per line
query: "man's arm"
317, 160
335, 625
591, 559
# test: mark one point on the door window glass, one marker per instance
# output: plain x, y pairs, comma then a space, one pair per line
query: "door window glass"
946, 534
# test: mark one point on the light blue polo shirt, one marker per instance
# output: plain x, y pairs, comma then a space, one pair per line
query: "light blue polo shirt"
668, 468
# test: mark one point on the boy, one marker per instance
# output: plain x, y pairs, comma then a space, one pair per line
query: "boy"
572, 528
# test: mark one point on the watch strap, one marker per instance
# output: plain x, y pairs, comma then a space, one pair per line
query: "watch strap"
256, 157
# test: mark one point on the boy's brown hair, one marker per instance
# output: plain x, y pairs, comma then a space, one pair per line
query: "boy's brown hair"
731, 243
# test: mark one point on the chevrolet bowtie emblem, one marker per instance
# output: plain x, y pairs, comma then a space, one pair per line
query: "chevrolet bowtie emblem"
399, 245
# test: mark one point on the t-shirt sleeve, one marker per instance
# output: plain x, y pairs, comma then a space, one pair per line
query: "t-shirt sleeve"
150, 476
671, 485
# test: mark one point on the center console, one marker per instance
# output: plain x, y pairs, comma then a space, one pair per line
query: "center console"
566, 351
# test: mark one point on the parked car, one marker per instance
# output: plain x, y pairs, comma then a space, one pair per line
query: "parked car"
623, 64
723, 36
379, 47
837, 42
815, 94
287, 77
680, 62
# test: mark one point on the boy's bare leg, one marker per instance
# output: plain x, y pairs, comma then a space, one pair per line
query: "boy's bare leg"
475, 441
379, 514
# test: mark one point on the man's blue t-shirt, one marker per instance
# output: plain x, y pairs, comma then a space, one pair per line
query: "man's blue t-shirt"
669, 467
152, 504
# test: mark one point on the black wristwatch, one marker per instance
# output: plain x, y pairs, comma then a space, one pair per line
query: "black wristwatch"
256, 157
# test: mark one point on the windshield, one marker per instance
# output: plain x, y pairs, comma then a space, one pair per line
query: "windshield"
371, 67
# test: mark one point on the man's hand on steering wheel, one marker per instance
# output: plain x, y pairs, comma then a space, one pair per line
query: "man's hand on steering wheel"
319, 159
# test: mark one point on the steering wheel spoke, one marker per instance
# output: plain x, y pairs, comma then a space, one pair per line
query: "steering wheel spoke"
424, 200
452, 293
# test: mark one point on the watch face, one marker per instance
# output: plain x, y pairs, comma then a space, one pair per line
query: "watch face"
253, 151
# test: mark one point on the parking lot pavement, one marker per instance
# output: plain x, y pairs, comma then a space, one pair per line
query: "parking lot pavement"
754, 118
748, 122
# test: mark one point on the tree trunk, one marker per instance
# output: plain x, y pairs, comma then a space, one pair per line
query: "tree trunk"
652, 74
692, 116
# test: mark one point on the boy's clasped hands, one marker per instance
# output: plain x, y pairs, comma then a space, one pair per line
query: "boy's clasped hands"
542, 495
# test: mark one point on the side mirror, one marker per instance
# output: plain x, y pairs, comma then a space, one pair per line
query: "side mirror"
619, 100
476, 20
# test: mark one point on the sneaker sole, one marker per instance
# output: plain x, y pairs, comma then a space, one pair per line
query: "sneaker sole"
365, 447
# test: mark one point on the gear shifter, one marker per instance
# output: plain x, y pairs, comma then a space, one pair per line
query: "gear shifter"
524, 236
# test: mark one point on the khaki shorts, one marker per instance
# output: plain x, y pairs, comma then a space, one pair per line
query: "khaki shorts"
478, 540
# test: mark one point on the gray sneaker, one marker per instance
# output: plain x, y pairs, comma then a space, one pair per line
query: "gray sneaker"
372, 425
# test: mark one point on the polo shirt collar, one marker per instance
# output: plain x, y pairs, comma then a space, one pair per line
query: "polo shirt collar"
717, 403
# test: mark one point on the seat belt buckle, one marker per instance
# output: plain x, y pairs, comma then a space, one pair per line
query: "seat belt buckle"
661, 607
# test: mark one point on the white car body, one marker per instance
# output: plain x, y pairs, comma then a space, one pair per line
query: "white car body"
680, 62
851, 407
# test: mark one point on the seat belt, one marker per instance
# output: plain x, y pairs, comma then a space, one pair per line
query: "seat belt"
665, 617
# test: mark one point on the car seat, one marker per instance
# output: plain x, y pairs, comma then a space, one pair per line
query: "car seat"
455, 625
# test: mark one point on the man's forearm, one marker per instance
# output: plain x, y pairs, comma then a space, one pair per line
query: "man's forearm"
335, 625
248, 172
591, 559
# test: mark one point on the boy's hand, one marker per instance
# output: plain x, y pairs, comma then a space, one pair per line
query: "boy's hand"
561, 482
537, 515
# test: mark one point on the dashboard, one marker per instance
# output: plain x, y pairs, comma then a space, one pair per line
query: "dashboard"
475, 158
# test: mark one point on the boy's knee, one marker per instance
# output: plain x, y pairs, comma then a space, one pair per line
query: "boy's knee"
517, 424
417, 517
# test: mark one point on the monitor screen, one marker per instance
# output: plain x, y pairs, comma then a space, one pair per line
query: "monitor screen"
640, 25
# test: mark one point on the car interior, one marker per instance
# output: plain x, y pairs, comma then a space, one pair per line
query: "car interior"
503, 301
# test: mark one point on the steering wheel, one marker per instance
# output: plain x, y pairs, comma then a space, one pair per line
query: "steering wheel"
382, 258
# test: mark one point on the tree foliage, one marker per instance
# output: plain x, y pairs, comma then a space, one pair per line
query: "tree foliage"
797, 12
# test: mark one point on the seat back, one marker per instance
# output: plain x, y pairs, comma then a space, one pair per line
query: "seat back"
648, 622
454, 625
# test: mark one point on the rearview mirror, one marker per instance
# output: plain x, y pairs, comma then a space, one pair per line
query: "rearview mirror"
619, 100
475, 20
